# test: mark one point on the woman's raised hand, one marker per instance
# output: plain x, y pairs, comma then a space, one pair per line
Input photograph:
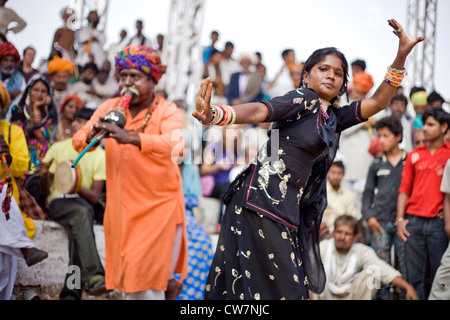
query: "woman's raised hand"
203, 103
405, 44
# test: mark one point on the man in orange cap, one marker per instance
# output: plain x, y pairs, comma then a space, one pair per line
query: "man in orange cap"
59, 71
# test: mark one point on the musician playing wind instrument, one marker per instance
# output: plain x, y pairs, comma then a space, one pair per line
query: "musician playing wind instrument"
145, 232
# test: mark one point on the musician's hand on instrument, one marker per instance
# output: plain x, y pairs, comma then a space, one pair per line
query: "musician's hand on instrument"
94, 132
115, 132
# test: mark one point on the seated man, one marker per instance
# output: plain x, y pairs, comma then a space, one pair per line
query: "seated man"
353, 270
75, 211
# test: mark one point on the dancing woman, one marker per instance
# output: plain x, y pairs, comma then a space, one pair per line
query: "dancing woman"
268, 243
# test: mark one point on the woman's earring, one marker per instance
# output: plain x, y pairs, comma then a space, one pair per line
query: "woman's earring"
27, 99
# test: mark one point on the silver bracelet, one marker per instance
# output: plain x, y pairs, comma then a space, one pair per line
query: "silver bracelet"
214, 113
396, 70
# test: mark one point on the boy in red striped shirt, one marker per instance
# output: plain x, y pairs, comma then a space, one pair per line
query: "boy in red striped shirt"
420, 202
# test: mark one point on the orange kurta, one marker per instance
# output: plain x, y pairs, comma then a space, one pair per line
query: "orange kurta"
144, 202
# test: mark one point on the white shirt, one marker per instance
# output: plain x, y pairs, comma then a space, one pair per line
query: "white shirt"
83, 35
243, 81
340, 202
283, 84
445, 184
336, 264
227, 68
140, 41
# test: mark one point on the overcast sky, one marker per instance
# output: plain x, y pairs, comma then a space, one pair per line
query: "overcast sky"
358, 28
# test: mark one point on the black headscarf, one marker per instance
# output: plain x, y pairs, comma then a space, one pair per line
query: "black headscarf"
18, 112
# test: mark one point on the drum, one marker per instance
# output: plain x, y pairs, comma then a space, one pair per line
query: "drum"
67, 179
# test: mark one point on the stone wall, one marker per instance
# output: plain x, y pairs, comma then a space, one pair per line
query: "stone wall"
48, 275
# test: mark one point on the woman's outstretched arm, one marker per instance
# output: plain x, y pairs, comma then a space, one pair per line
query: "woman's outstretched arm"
252, 113
380, 99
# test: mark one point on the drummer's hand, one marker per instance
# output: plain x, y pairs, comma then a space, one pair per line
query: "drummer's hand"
203, 103
44, 168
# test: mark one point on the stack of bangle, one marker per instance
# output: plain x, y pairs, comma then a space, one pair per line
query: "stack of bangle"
222, 115
394, 77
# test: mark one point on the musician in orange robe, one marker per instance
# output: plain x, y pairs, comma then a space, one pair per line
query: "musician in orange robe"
144, 222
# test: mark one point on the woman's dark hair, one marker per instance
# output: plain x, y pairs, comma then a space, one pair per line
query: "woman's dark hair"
392, 123
318, 56
31, 83
439, 115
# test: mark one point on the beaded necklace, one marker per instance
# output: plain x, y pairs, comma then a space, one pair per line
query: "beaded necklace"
148, 115
322, 109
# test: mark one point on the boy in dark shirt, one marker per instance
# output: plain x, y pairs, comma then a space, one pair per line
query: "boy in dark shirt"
379, 202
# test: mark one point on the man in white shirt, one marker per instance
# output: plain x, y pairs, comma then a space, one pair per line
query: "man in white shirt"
353, 270
282, 82
140, 39
90, 42
341, 200
228, 65
118, 46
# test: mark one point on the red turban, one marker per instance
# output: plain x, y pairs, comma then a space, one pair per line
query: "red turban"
74, 97
7, 49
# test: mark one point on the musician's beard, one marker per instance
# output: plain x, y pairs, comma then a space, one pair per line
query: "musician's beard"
130, 90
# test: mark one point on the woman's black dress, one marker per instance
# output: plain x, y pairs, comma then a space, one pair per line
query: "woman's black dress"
268, 243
